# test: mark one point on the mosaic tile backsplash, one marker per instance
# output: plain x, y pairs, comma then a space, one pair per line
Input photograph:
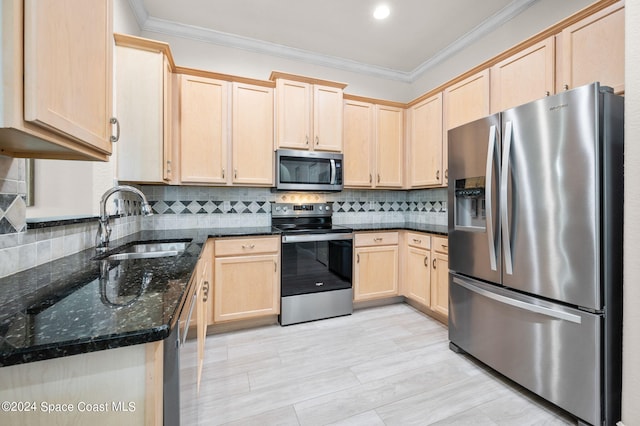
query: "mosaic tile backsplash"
12, 195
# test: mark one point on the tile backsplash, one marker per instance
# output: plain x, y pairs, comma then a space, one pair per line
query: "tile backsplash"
13, 188
209, 207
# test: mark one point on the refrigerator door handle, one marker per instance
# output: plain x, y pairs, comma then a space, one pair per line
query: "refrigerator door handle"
489, 198
520, 304
504, 202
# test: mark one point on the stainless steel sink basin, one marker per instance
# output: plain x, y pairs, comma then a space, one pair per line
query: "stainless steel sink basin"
147, 250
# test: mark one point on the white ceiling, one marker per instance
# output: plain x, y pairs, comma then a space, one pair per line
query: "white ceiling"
336, 33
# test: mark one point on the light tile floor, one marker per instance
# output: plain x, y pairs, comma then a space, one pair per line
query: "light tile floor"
388, 365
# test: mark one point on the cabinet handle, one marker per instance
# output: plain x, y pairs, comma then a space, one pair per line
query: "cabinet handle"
168, 166
417, 241
307, 139
434, 264
250, 246
547, 93
565, 87
223, 173
275, 266
378, 177
444, 246
317, 140
446, 174
370, 178
205, 296
426, 261
115, 138
377, 239
358, 258
235, 173
437, 174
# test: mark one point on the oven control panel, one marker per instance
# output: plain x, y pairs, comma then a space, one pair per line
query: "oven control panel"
308, 209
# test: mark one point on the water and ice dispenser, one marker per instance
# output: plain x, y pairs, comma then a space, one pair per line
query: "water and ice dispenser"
470, 203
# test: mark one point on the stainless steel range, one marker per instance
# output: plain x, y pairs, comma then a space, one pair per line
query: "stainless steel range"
316, 263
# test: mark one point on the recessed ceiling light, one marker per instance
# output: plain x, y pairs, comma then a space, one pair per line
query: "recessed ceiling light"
381, 12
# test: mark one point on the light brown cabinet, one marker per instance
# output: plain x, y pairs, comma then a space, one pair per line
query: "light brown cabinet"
526, 76
226, 132
203, 130
375, 265
418, 276
309, 116
373, 145
247, 278
593, 50
57, 69
252, 135
144, 106
204, 274
440, 276
425, 154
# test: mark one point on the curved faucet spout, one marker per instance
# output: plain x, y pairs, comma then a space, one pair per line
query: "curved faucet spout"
104, 230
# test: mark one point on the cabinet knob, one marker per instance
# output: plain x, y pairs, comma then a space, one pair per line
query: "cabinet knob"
116, 137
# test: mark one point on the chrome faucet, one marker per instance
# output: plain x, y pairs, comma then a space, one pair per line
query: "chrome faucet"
104, 230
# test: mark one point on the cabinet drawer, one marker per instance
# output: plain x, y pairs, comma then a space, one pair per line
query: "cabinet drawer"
440, 244
419, 240
376, 239
246, 246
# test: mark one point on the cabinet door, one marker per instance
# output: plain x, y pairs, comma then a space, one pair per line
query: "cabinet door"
203, 130
440, 283
140, 110
425, 152
327, 118
593, 50
419, 275
376, 272
68, 68
389, 146
526, 76
294, 114
252, 135
246, 287
466, 100
358, 144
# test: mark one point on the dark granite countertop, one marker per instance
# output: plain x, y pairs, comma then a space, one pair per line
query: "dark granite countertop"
408, 226
77, 305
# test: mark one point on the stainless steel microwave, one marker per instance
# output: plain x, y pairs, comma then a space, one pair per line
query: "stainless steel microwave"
298, 170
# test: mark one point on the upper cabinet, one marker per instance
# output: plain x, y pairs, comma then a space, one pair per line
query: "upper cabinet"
226, 131
144, 107
373, 145
252, 135
424, 147
203, 130
467, 100
57, 79
523, 77
593, 50
309, 113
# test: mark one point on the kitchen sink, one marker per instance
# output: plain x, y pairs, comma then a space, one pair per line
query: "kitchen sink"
146, 250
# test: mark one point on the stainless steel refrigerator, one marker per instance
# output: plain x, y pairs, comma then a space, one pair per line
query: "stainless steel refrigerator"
535, 237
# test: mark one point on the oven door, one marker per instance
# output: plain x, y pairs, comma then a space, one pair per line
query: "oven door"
314, 263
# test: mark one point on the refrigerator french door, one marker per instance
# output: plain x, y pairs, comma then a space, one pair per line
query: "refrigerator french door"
535, 236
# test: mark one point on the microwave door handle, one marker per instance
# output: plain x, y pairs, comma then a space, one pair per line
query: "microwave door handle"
333, 171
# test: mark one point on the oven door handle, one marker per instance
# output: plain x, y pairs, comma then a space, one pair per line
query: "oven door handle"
316, 237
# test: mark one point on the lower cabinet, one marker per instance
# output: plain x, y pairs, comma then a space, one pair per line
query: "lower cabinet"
440, 276
426, 273
375, 265
205, 279
247, 278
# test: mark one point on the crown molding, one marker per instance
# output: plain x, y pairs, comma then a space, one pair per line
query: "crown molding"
172, 28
